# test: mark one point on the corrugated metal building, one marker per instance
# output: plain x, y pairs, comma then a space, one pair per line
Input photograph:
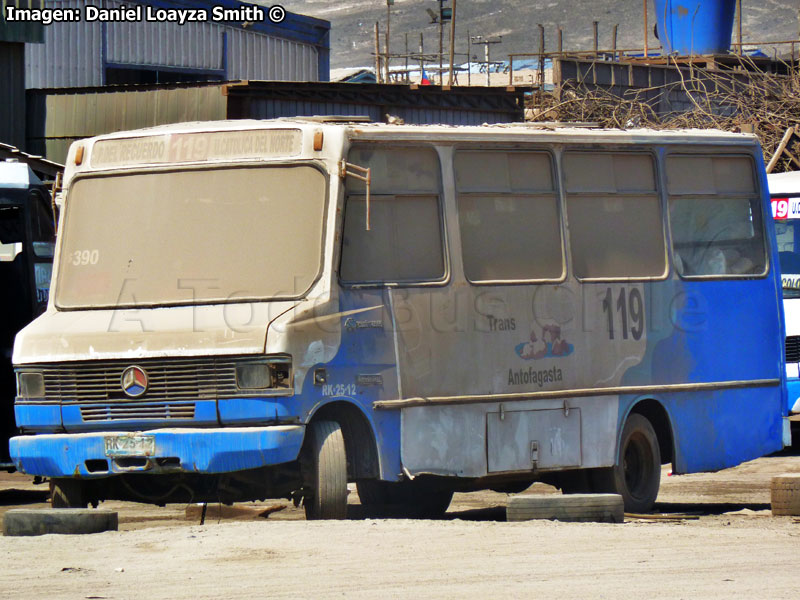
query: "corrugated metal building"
56, 118
94, 53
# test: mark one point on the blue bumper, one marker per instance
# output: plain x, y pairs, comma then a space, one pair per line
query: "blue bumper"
176, 450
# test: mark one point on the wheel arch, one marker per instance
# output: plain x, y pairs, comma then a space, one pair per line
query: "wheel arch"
655, 412
360, 439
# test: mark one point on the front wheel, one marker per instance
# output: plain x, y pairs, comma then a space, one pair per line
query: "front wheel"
637, 474
326, 475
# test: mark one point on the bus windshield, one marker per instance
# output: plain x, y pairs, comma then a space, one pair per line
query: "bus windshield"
192, 236
787, 233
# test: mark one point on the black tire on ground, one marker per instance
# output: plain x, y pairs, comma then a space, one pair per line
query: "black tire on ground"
785, 494
637, 473
68, 493
415, 499
27, 521
603, 508
327, 471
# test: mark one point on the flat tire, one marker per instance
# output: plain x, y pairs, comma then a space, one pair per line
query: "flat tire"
603, 508
71, 521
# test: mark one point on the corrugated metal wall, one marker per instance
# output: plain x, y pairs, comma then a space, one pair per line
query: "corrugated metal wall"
424, 105
12, 94
72, 55
193, 45
57, 120
257, 56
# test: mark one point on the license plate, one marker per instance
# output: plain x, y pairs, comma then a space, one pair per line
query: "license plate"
130, 445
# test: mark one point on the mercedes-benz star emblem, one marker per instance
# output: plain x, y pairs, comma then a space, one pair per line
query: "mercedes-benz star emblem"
134, 381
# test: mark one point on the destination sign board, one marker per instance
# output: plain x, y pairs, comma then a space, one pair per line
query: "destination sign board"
197, 147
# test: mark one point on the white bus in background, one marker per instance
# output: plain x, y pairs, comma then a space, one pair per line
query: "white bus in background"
784, 190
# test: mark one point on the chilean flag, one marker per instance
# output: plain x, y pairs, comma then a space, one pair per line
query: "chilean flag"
425, 80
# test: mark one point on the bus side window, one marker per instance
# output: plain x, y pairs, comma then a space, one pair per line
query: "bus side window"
616, 230
508, 216
715, 217
405, 242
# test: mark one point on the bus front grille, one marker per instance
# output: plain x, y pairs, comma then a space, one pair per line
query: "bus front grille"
170, 379
139, 411
792, 348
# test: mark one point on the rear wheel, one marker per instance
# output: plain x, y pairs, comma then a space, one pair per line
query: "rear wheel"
326, 475
637, 474
68, 493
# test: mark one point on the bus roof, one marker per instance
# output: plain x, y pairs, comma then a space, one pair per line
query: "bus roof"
361, 129
356, 129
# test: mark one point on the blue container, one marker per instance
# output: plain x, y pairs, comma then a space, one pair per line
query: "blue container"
690, 27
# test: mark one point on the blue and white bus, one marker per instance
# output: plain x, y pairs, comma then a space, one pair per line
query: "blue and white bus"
784, 189
261, 309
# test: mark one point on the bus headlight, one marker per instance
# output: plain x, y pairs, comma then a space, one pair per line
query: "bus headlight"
266, 375
30, 384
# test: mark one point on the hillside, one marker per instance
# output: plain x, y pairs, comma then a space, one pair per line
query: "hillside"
516, 20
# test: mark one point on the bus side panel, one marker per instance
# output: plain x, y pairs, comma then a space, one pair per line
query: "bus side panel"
362, 370
720, 332
710, 432
473, 440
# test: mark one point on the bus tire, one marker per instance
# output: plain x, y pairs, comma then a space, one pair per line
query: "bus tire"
785, 494
327, 476
27, 521
636, 476
67, 493
600, 508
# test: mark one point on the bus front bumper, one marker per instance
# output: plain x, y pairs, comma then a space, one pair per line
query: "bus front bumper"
100, 454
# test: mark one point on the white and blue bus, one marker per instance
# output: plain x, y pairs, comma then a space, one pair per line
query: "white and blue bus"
262, 309
784, 189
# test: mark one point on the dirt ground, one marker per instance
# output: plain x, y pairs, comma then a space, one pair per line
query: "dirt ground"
717, 539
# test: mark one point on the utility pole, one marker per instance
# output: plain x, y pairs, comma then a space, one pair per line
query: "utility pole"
441, 40
421, 59
541, 58
614, 40
645, 28
378, 75
739, 26
452, 42
479, 40
408, 75
469, 59
389, 4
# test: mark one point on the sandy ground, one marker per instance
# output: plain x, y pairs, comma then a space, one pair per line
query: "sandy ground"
720, 541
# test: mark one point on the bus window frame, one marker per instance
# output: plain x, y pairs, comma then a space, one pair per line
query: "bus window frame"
648, 150
759, 195
184, 167
557, 191
446, 278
